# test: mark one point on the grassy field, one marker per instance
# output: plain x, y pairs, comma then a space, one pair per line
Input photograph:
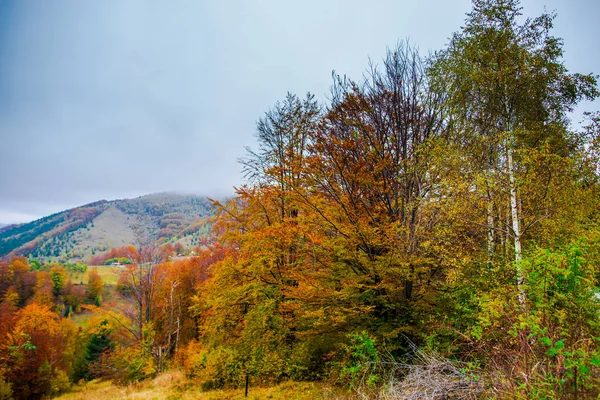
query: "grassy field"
110, 276
174, 386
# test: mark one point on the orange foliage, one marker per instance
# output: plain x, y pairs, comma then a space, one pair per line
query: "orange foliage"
95, 285
16, 274
167, 251
43, 289
39, 346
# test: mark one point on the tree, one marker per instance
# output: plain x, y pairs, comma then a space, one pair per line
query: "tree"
510, 93
59, 279
44, 345
252, 288
95, 286
96, 342
44, 288
376, 186
16, 273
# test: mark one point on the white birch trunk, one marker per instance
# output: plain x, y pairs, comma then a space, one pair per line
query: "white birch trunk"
490, 232
516, 228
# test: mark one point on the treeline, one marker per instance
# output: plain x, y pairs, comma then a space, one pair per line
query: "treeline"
125, 252
165, 204
442, 202
130, 254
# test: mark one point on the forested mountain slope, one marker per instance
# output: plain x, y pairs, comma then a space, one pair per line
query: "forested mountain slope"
79, 233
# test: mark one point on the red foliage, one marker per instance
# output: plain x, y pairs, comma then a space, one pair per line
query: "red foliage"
129, 252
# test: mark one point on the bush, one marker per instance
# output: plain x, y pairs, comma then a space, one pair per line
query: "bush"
361, 353
550, 348
125, 365
218, 368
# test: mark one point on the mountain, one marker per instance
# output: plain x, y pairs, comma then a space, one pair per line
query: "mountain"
79, 233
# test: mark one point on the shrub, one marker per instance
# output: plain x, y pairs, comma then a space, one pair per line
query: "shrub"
361, 353
125, 365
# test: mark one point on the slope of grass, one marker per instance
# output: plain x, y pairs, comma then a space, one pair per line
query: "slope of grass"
173, 385
112, 228
109, 274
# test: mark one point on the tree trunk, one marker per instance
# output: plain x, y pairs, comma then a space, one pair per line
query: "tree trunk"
514, 209
170, 330
490, 230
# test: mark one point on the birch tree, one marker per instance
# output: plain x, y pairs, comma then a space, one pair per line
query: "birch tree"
510, 93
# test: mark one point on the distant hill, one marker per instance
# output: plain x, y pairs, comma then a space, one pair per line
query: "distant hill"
79, 233
4, 227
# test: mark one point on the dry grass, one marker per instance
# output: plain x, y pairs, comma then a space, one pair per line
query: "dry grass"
173, 385
424, 377
109, 274
430, 378
81, 318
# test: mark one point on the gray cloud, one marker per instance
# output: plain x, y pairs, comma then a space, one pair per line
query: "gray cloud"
112, 99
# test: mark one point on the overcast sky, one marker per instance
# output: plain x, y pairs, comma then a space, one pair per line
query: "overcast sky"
113, 99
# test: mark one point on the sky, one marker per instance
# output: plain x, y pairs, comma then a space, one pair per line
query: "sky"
112, 99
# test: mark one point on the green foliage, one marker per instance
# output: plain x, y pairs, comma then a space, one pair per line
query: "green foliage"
216, 368
51, 380
77, 267
563, 314
554, 341
97, 344
36, 265
118, 260
361, 354
59, 279
16, 350
60, 383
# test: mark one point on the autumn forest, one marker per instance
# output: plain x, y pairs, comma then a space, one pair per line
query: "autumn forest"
431, 231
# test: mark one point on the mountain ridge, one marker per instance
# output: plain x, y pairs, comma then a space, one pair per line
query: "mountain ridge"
79, 233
